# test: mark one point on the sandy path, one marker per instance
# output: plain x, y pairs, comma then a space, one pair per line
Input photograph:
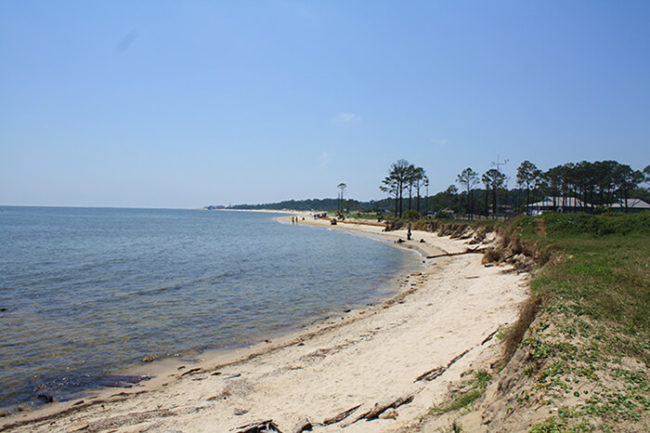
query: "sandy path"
359, 358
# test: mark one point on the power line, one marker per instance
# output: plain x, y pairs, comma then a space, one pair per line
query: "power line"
498, 165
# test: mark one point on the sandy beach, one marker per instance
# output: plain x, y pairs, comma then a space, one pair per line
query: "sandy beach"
405, 352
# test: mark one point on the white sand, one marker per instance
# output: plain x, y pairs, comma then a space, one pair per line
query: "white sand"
359, 358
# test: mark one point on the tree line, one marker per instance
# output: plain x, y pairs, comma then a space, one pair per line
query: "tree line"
405, 178
596, 184
599, 184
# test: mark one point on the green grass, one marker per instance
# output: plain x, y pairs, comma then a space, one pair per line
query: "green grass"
554, 425
585, 334
371, 216
602, 271
464, 398
595, 288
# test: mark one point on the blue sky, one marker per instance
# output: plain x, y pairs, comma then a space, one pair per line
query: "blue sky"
189, 103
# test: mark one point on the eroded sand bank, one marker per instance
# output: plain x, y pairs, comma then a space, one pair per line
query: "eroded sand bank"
359, 358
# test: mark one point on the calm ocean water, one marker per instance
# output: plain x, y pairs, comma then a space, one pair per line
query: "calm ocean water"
85, 292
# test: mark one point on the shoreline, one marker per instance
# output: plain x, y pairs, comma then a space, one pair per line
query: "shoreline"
334, 325
57, 379
165, 366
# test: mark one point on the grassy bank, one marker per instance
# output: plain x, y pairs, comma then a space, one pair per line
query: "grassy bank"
602, 272
578, 360
589, 350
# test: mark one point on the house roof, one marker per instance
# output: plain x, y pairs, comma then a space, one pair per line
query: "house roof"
564, 202
573, 202
632, 203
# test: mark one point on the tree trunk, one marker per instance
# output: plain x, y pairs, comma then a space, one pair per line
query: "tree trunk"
426, 204
487, 194
400, 187
470, 206
410, 196
396, 201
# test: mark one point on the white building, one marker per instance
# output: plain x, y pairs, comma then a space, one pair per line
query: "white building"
557, 204
632, 203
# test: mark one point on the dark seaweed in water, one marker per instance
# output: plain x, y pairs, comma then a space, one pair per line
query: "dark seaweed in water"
67, 387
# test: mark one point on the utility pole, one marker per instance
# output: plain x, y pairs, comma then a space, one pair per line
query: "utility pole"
498, 165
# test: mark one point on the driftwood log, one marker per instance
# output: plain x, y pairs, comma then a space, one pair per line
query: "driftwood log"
489, 337
431, 374
438, 371
453, 361
192, 371
267, 426
341, 416
380, 408
467, 251
303, 425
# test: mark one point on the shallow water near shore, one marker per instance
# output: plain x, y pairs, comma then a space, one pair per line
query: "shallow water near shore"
86, 292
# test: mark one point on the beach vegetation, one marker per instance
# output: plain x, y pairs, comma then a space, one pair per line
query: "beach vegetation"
411, 215
580, 346
559, 425
583, 336
601, 268
470, 391
362, 215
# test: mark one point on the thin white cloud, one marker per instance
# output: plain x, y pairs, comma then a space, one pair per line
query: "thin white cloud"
442, 142
324, 158
343, 117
